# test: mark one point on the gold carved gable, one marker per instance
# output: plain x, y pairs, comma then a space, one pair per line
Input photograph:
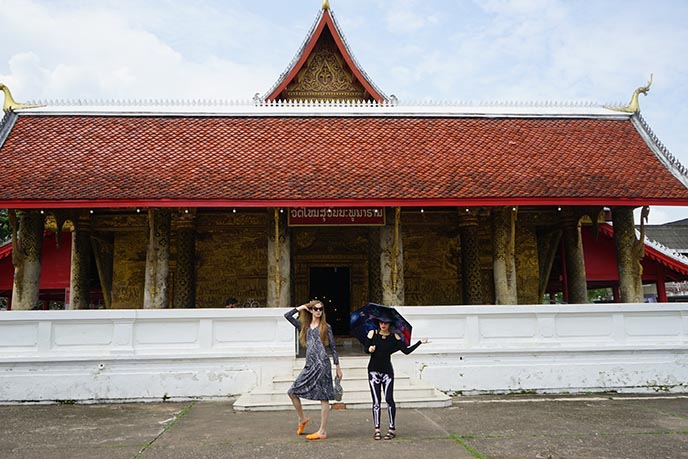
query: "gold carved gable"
325, 75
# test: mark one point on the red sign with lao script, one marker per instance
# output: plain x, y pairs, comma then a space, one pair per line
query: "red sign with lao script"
356, 216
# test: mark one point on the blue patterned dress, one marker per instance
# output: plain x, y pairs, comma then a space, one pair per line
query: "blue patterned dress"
315, 380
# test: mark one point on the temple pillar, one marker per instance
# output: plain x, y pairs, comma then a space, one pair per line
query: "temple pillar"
471, 277
392, 259
629, 252
374, 267
504, 261
155, 291
185, 274
279, 260
103, 248
577, 285
80, 272
27, 247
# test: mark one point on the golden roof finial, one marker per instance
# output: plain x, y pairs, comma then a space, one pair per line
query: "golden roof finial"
633, 106
326, 5
10, 103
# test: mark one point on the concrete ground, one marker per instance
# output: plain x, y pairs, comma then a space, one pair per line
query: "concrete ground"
518, 427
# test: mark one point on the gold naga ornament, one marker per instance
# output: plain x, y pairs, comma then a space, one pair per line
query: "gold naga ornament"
633, 106
10, 103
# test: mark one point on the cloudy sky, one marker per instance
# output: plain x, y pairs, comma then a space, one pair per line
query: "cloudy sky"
462, 50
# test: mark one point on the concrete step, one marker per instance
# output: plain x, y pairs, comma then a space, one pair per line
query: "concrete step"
249, 403
349, 383
408, 392
360, 394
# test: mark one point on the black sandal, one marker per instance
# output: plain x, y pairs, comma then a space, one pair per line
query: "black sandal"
377, 435
390, 435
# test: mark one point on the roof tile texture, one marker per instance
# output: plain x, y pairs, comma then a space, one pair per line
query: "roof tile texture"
328, 158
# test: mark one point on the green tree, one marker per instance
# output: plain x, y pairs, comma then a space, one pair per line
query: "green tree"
4, 226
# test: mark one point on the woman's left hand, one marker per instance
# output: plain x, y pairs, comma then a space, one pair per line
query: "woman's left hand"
339, 373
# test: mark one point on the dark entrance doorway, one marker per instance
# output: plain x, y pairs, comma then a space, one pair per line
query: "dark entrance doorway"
331, 285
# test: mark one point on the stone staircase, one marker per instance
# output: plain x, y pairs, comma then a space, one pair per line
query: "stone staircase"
408, 392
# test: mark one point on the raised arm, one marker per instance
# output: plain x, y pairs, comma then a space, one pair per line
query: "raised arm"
407, 350
290, 317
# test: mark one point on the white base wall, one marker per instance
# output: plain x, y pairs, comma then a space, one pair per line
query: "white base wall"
134, 355
551, 348
127, 355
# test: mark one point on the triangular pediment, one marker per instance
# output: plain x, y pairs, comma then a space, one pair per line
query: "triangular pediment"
325, 69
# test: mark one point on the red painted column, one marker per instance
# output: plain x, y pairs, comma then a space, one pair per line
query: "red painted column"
661, 286
617, 294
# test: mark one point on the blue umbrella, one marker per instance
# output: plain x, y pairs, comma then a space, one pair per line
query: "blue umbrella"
365, 319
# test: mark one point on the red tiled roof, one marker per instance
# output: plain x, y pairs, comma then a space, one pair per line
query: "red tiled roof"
254, 160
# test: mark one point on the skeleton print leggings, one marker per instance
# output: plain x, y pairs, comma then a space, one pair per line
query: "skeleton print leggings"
382, 382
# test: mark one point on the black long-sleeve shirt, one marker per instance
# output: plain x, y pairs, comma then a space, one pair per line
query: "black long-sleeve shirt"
385, 346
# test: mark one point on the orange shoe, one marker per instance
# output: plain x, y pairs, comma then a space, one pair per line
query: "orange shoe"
315, 436
299, 431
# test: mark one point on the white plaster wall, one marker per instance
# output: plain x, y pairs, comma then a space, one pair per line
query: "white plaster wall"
156, 354
550, 348
141, 354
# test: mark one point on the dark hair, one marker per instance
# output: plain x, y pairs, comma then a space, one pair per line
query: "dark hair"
231, 300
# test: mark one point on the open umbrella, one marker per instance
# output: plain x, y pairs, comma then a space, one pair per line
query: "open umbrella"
365, 319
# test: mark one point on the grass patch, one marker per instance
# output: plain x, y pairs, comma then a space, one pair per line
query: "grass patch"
473, 452
167, 427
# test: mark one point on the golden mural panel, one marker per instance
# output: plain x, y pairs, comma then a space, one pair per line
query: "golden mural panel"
231, 262
431, 258
129, 270
527, 267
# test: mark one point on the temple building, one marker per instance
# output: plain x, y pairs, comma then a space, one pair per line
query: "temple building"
327, 187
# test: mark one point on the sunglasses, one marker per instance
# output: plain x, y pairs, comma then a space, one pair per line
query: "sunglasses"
317, 309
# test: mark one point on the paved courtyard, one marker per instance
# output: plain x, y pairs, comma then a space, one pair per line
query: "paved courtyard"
508, 427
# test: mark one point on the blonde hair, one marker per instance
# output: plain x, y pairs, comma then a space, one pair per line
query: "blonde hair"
305, 318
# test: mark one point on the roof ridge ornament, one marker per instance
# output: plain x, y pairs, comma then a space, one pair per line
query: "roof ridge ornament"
326, 5
10, 103
633, 106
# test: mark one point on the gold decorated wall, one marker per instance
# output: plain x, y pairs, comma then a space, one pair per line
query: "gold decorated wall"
231, 259
527, 268
431, 258
129, 268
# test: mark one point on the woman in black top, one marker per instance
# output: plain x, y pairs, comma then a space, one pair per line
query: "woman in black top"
382, 343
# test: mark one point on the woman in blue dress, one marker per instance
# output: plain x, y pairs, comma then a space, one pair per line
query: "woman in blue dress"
315, 380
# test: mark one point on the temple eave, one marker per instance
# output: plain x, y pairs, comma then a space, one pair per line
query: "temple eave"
347, 202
